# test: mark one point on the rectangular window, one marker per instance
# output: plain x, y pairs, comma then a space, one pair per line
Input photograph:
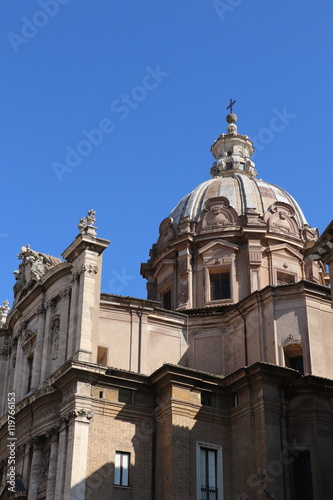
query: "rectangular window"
220, 286
302, 477
297, 364
125, 395
30, 365
284, 278
208, 472
166, 302
102, 356
293, 355
121, 468
208, 399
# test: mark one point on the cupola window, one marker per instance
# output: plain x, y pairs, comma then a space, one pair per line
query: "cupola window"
293, 354
220, 285
284, 278
166, 300
102, 356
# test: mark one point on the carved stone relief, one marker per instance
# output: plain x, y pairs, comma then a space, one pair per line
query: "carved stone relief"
291, 338
219, 214
280, 218
32, 268
167, 234
28, 341
310, 233
183, 293
55, 328
46, 462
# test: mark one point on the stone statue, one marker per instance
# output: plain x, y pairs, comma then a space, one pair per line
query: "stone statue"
33, 267
4, 310
91, 219
86, 224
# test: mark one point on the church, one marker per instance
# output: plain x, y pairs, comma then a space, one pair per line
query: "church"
218, 386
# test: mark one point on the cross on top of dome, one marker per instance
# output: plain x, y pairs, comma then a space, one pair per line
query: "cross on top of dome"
231, 105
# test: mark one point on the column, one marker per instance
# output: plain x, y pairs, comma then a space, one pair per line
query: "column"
36, 469
26, 465
77, 456
61, 462
52, 474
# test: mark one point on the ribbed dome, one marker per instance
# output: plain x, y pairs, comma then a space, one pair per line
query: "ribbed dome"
242, 192
232, 235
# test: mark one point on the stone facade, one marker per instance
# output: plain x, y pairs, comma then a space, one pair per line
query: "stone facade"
218, 386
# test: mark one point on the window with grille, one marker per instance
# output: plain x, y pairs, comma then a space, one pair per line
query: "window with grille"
209, 471
121, 468
208, 474
220, 286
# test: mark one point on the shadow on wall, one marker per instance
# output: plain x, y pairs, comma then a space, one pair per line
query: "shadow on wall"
199, 451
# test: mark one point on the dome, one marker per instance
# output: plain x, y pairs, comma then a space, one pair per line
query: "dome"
232, 235
243, 194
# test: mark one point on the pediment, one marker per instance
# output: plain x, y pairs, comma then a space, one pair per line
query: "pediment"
218, 244
288, 249
28, 342
163, 267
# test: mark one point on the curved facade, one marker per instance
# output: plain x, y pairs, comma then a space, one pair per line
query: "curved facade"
232, 235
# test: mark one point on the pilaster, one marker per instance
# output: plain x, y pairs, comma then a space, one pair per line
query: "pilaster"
47, 343
37, 365
52, 472
85, 255
36, 468
77, 454
61, 462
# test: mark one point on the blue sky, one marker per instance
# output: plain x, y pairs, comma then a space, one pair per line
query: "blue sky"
154, 77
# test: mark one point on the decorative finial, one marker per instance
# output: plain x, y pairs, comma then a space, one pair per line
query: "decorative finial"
86, 224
